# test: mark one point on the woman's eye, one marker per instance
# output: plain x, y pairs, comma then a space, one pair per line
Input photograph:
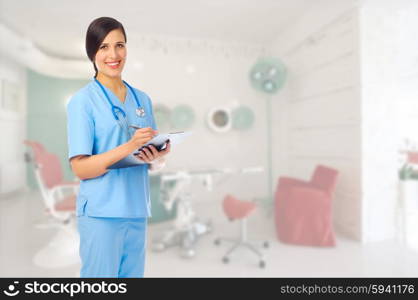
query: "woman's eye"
119, 45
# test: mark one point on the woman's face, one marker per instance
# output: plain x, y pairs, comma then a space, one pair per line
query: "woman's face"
111, 56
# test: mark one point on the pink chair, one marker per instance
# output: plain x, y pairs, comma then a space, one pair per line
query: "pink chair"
303, 210
50, 179
236, 209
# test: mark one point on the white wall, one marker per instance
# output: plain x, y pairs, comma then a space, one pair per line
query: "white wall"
407, 75
318, 114
389, 82
379, 43
12, 129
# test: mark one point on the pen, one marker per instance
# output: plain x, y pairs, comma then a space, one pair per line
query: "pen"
135, 127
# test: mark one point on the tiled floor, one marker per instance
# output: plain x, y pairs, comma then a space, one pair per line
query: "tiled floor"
20, 239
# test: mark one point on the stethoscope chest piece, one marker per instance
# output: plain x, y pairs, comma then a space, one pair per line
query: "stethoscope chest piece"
140, 112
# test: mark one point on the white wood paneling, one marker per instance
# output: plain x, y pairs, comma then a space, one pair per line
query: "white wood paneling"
323, 107
336, 142
333, 77
339, 108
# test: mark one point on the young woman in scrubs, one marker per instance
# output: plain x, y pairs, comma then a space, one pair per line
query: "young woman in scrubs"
112, 205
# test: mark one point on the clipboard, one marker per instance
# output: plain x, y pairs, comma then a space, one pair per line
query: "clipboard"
159, 142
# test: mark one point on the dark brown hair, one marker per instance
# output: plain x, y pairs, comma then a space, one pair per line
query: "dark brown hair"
97, 32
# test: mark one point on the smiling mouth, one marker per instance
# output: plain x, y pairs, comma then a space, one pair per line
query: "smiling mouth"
114, 64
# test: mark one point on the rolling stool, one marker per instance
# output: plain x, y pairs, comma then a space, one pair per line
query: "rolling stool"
236, 209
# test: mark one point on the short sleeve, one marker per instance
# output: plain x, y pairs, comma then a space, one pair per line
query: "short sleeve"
80, 126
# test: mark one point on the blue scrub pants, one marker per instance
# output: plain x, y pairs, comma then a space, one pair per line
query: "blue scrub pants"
112, 247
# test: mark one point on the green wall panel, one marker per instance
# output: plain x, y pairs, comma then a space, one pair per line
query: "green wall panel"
46, 115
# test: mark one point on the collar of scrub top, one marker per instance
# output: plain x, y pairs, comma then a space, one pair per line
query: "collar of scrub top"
140, 112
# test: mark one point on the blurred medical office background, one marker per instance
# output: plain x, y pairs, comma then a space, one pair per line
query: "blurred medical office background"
303, 116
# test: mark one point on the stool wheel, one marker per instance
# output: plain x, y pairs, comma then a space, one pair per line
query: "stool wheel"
217, 242
266, 244
225, 260
262, 264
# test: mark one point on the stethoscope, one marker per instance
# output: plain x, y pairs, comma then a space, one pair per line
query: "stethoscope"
140, 112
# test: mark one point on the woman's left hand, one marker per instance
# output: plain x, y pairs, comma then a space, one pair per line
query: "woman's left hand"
150, 154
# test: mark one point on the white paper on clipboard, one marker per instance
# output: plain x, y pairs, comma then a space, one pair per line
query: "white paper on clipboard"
159, 141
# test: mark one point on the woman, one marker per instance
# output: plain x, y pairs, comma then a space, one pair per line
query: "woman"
112, 205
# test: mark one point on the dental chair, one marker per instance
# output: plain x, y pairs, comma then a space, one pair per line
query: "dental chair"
186, 228
236, 209
59, 198
50, 180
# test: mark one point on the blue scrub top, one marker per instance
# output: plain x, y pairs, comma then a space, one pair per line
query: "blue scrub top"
92, 129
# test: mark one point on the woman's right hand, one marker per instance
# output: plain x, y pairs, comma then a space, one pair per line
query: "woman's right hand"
142, 136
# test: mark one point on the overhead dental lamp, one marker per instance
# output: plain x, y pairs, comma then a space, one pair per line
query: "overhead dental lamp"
267, 76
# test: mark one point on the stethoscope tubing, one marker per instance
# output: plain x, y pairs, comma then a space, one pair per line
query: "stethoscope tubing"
139, 110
